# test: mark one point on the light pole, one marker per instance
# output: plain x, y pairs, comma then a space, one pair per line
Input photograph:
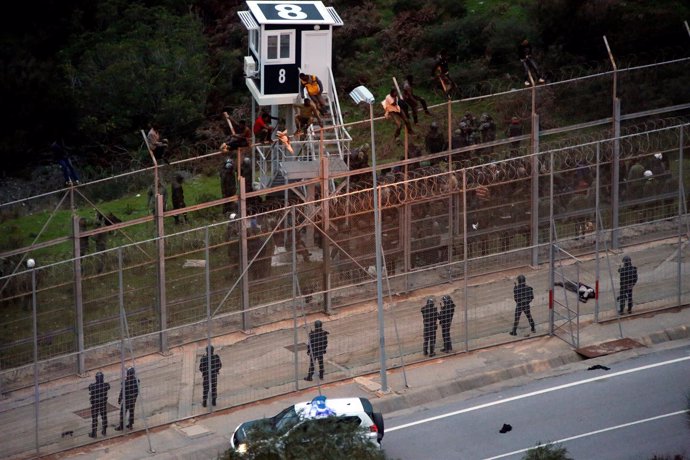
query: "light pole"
362, 94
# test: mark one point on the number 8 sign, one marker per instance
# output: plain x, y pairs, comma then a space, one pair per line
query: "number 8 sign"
273, 12
291, 12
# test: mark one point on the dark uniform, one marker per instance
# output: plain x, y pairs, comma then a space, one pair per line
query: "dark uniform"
228, 183
434, 140
523, 295
131, 391
210, 374
528, 63
514, 130
430, 319
445, 317
316, 348
628, 279
246, 172
98, 396
177, 193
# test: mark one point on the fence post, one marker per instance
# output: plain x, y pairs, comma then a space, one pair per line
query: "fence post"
596, 234
325, 237
464, 257
243, 255
78, 294
552, 266
451, 228
681, 198
406, 238
37, 396
122, 313
615, 171
207, 288
535, 190
615, 180
293, 261
160, 245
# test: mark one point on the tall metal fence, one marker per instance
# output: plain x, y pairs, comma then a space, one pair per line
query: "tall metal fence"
559, 205
442, 228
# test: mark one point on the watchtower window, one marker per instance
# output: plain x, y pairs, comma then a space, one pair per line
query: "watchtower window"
280, 47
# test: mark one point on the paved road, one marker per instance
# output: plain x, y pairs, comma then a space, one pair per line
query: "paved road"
634, 410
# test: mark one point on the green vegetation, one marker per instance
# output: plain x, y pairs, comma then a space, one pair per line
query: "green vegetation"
315, 440
96, 73
547, 452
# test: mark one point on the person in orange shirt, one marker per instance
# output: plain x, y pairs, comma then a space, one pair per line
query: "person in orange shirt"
392, 111
311, 87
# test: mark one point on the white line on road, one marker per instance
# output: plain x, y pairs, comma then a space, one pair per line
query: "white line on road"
537, 393
592, 433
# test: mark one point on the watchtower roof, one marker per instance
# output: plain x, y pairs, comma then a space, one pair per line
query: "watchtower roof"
292, 12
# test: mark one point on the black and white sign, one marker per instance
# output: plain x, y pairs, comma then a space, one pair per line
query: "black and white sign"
296, 12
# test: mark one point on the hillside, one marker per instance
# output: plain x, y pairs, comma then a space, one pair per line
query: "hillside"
96, 73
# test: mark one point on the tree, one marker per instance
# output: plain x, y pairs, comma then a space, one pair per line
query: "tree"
146, 65
335, 438
547, 452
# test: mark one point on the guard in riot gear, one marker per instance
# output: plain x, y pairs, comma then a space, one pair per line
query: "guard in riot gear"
523, 295
210, 374
128, 398
316, 348
445, 318
628, 279
430, 321
98, 396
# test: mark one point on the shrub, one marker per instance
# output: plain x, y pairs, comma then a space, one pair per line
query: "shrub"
547, 452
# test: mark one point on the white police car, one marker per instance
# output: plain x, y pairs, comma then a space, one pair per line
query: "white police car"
357, 411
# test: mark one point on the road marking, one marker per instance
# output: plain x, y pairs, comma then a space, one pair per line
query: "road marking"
592, 433
537, 393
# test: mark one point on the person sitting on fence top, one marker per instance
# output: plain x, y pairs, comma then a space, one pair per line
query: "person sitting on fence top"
392, 111
528, 62
412, 99
62, 158
242, 136
441, 72
157, 144
262, 128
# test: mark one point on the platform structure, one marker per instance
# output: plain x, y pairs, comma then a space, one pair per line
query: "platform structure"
286, 39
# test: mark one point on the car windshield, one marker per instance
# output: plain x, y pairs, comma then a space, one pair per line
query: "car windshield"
285, 418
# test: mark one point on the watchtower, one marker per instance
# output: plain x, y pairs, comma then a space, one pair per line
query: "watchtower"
287, 38
284, 38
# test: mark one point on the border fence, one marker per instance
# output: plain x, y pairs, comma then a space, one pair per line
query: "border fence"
573, 199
